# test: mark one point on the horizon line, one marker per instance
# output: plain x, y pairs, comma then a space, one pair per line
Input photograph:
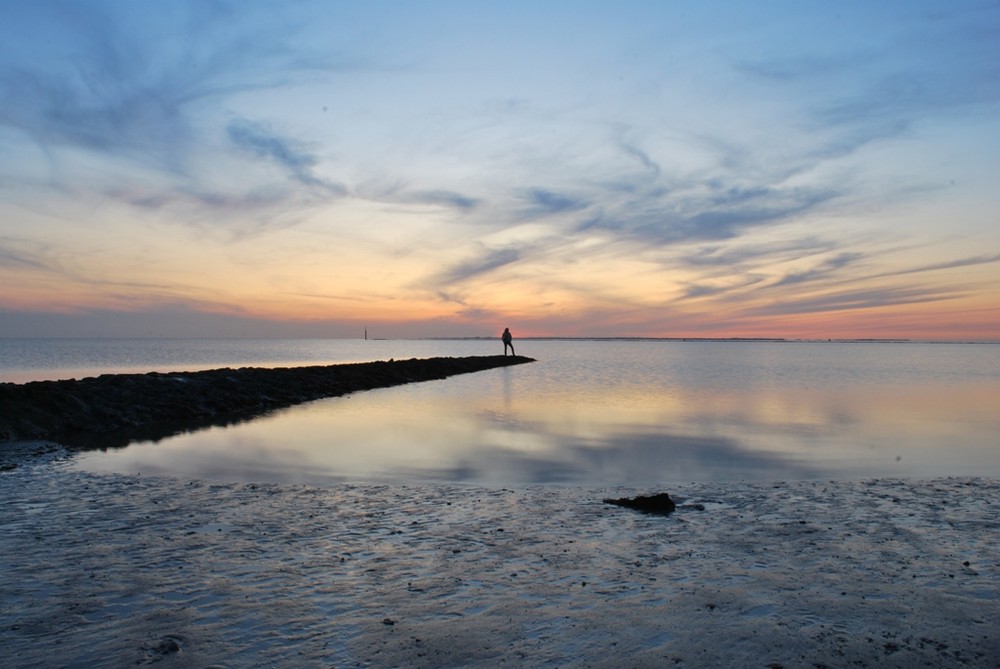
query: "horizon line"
790, 340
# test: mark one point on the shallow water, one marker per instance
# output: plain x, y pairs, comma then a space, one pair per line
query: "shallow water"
606, 413
23, 360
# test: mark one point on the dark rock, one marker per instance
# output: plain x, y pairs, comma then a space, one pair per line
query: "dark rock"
169, 645
114, 409
660, 503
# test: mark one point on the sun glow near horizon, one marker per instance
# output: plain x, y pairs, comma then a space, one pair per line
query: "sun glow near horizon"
683, 169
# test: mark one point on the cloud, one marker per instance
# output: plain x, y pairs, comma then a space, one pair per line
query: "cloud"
725, 218
18, 259
951, 264
651, 167
397, 193
804, 68
50, 264
259, 140
692, 215
488, 261
108, 84
731, 256
111, 99
446, 198
732, 283
543, 202
822, 271
703, 290
184, 197
641, 456
926, 65
874, 298
24, 257
656, 456
934, 267
200, 114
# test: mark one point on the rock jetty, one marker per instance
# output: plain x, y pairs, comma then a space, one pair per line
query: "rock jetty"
114, 409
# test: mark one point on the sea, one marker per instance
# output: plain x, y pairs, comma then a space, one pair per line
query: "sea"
632, 412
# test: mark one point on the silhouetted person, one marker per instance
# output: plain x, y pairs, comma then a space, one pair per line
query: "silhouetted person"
506, 341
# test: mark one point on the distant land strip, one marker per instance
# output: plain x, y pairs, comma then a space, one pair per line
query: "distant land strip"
114, 409
869, 340
727, 340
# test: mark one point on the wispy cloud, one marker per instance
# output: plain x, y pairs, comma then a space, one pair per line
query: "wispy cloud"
16, 259
399, 193
735, 256
689, 173
827, 274
821, 271
933, 63
872, 298
487, 261
731, 283
807, 68
259, 140
950, 264
112, 89
650, 166
190, 198
49, 262
542, 202
720, 214
445, 198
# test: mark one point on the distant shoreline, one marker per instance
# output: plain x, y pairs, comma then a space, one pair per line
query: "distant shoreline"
779, 340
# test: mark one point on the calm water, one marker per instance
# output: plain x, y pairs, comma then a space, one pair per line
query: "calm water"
588, 412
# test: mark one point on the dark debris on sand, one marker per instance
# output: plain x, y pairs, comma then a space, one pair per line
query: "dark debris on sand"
659, 504
114, 409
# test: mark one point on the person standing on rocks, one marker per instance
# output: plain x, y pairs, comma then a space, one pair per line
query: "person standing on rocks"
507, 338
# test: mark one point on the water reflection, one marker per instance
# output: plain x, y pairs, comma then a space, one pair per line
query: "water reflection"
621, 415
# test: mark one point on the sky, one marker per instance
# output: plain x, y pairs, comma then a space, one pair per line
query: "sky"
564, 168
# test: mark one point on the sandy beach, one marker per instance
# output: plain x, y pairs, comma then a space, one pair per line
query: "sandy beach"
115, 571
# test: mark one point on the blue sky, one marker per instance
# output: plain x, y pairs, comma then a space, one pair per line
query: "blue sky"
449, 168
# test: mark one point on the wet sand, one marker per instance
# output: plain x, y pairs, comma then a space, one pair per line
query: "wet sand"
115, 571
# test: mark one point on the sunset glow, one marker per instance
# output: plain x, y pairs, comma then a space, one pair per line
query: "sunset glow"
674, 169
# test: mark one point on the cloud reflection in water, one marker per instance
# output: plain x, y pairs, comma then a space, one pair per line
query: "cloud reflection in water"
624, 414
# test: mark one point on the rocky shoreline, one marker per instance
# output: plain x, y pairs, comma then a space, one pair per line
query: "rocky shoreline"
113, 409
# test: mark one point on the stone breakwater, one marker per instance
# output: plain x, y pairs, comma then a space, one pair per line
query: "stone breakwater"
113, 409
